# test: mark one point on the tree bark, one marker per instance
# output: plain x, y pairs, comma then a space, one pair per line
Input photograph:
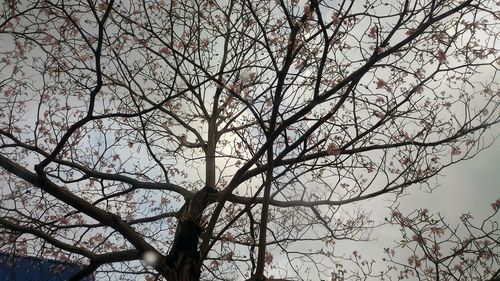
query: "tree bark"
184, 256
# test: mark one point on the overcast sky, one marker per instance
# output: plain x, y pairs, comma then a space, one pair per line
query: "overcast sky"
468, 186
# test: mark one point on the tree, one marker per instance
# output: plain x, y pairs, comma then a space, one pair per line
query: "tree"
210, 138
439, 252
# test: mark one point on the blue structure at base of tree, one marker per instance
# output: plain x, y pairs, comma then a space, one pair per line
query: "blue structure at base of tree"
17, 268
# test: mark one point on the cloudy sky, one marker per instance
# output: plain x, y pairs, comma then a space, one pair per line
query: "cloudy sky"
471, 185
468, 186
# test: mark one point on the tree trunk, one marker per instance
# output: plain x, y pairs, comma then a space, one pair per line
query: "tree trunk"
184, 256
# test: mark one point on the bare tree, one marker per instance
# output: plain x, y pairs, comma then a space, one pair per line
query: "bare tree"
211, 138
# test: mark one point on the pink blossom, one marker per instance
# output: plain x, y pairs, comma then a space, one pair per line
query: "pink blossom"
229, 237
204, 43
165, 50
102, 6
47, 39
424, 212
333, 150
335, 19
436, 249
456, 151
269, 258
466, 217
396, 214
495, 205
214, 264
441, 56
437, 231
418, 238
459, 267
373, 32
414, 259
381, 84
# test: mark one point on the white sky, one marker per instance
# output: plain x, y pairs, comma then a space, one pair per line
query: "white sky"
471, 185
468, 186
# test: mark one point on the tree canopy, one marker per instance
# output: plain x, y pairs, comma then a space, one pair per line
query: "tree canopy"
238, 139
